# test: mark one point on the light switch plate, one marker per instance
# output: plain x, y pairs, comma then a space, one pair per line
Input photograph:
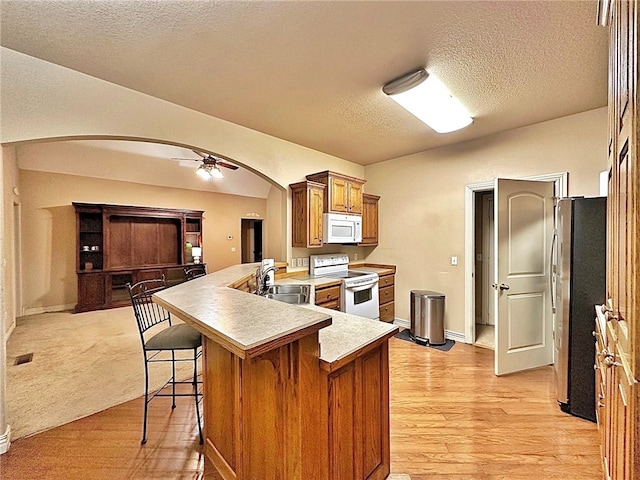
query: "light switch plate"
454, 260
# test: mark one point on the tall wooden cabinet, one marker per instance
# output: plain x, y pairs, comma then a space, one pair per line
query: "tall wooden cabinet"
119, 244
618, 343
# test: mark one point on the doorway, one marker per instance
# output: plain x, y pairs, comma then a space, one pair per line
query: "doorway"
17, 263
251, 240
474, 293
484, 259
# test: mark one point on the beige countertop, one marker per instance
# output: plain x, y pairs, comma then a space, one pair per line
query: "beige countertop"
248, 324
378, 270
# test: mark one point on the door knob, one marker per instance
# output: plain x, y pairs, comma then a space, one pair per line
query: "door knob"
504, 286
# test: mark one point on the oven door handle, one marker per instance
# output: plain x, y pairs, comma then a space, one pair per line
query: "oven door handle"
364, 286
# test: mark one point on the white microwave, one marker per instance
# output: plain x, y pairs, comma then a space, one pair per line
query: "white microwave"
338, 228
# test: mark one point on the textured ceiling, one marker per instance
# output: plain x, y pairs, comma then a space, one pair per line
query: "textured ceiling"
312, 72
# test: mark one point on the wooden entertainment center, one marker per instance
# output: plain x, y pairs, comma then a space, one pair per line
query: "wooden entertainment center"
120, 244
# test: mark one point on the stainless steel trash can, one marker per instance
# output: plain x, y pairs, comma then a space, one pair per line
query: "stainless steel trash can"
427, 317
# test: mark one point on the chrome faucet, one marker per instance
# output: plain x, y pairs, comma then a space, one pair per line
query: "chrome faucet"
261, 279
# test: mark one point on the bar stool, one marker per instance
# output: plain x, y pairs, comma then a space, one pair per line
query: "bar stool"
156, 340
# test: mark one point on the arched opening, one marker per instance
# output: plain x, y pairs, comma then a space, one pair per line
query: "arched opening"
55, 172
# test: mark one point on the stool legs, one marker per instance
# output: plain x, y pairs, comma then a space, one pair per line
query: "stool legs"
146, 399
195, 388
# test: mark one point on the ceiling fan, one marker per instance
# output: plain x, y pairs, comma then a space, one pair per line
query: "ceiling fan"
210, 167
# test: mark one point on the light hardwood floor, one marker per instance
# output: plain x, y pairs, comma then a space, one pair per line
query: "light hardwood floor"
451, 418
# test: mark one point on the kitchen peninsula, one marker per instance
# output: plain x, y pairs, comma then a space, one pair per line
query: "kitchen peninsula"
290, 392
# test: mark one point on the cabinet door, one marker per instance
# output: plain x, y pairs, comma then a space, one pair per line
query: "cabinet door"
369, 220
91, 292
306, 214
359, 418
355, 198
339, 195
316, 197
343, 424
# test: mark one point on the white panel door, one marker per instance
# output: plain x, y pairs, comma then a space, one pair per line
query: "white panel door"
523, 232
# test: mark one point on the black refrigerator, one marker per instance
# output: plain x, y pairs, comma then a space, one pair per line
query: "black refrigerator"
580, 284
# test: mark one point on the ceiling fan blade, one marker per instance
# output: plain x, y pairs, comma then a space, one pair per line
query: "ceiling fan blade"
187, 159
200, 153
222, 163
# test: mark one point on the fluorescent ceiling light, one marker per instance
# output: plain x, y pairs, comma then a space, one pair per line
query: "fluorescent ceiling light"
426, 97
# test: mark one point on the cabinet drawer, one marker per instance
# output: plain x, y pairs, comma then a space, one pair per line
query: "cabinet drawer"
387, 281
333, 305
330, 294
387, 312
387, 294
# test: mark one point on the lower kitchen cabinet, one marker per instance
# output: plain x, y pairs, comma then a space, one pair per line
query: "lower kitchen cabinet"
357, 397
386, 293
328, 296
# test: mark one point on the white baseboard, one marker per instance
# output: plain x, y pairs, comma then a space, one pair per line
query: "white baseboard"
456, 336
401, 322
448, 334
52, 308
5, 440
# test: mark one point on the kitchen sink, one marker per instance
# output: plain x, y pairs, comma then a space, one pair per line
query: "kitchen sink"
292, 293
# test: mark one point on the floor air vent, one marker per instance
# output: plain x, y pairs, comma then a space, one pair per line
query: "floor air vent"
26, 358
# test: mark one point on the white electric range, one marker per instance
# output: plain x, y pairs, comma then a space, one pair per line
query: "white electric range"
359, 295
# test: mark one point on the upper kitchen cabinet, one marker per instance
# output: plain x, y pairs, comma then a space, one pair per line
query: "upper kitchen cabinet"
307, 203
344, 193
369, 219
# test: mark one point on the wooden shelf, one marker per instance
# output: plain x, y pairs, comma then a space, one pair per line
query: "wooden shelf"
134, 244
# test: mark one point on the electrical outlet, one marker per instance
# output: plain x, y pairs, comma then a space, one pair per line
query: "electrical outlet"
305, 262
454, 261
355, 256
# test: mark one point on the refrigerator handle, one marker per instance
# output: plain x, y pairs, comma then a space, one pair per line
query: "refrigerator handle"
554, 243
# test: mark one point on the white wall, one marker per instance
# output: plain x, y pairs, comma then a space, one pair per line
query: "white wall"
422, 197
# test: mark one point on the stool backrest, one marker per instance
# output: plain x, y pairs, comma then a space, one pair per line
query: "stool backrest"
148, 314
194, 272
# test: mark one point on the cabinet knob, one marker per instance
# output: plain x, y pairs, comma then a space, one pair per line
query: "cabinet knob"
609, 361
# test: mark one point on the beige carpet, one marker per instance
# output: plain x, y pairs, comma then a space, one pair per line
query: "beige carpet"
485, 336
82, 364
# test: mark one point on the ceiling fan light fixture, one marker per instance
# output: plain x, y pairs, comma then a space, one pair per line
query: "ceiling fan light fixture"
203, 173
215, 172
428, 99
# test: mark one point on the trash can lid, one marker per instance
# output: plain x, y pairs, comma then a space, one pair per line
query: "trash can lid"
426, 293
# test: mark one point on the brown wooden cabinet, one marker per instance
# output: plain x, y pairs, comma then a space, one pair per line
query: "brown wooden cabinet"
344, 193
307, 200
120, 244
357, 396
328, 296
369, 219
619, 417
386, 292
